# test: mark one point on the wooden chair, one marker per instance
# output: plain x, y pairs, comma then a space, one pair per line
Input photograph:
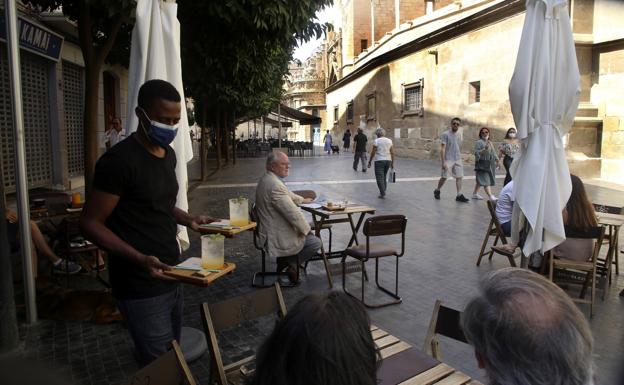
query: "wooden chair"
168, 369
233, 312
444, 321
587, 267
495, 230
381, 225
264, 278
602, 263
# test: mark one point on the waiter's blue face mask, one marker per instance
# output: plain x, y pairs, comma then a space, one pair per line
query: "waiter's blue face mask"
159, 133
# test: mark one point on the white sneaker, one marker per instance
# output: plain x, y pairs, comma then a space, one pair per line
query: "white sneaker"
493, 198
477, 196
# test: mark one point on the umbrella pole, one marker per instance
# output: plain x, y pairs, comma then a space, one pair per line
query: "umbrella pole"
20, 160
279, 125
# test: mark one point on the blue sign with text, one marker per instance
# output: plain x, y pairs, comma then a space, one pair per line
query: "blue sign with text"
35, 38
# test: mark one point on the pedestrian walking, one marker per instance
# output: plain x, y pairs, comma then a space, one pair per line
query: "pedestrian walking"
328, 143
359, 149
383, 153
507, 150
486, 162
346, 140
450, 158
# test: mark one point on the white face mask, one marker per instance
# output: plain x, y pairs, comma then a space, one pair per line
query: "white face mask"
512, 135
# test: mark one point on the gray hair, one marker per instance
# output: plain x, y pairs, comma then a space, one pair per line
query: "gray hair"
271, 159
380, 132
528, 331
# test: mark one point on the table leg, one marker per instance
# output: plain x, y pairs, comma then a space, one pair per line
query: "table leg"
355, 229
616, 250
609, 261
317, 230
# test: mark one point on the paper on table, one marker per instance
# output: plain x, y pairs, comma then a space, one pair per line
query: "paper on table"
192, 263
311, 205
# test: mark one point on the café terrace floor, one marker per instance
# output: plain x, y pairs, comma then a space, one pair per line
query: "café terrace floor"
443, 239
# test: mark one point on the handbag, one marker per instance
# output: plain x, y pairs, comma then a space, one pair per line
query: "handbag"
391, 176
482, 165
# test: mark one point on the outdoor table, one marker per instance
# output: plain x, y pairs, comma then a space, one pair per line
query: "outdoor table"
405, 365
614, 222
322, 216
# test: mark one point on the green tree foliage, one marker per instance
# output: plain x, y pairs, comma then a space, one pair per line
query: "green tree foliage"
235, 54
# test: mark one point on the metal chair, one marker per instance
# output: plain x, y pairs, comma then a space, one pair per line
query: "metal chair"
444, 321
381, 225
233, 312
495, 230
587, 267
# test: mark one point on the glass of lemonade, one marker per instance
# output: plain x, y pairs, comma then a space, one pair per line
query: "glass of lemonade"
212, 251
239, 212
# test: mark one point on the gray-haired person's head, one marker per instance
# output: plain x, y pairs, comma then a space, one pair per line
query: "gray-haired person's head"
380, 132
527, 331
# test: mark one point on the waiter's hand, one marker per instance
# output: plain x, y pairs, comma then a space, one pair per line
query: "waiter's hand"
201, 220
156, 269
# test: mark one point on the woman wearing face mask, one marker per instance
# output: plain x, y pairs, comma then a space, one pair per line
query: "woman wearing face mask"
507, 150
486, 161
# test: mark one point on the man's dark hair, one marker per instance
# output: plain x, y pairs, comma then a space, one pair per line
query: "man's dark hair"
324, 339
157, 89
456, 119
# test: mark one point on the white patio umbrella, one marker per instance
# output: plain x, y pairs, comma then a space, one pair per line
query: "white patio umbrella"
544, 95
155, 54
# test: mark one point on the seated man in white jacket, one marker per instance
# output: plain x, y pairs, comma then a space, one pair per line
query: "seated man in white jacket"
283, 230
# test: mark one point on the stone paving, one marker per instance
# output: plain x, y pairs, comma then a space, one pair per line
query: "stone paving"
443, 239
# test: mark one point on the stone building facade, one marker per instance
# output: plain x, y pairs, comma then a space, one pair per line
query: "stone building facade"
456, 58
305, 90
53, 89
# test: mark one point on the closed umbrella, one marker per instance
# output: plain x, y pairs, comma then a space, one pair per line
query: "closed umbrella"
155, 54
544, 95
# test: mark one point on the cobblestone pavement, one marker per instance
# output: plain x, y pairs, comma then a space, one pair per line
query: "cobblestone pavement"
443, 238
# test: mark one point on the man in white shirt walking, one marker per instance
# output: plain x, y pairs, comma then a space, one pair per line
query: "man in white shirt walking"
450, 157
383, 154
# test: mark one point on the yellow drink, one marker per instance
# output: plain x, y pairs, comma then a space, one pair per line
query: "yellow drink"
239, 222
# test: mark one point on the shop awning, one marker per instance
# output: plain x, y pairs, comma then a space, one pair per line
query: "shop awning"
302, 117
275, 123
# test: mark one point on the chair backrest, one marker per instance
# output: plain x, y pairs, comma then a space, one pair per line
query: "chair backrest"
233, 312
608, 209
384, 225
491, 205
169, 369
597, 233
444, 321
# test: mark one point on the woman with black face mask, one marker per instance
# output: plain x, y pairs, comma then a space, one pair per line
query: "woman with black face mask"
507, 150
486, 162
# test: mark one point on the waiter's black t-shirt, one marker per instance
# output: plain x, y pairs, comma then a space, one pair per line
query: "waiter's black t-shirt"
360, 142
147, 190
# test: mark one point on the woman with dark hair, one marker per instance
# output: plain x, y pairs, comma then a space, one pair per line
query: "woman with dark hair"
324, 339
346, 140
507, 150
579, 214
486, 162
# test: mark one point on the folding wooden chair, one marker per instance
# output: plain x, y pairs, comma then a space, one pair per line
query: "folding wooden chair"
230, 313
381, 225
444, 321
586, 267
495, 230
73, 245
168, 369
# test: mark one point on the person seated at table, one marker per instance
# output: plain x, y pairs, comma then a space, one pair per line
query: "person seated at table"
526, 331
282, 227
324, 339
504, 208
39, 246
578, 215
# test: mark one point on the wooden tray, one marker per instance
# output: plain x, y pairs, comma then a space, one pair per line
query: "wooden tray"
228, 232
334, 208
188, 276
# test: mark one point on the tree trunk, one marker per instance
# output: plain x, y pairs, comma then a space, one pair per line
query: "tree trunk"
217, 128
233, 146
9, 337
204, 144
92, 77
226, 136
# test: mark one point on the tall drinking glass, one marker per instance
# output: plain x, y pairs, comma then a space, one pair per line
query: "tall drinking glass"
239, 212
213, 252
